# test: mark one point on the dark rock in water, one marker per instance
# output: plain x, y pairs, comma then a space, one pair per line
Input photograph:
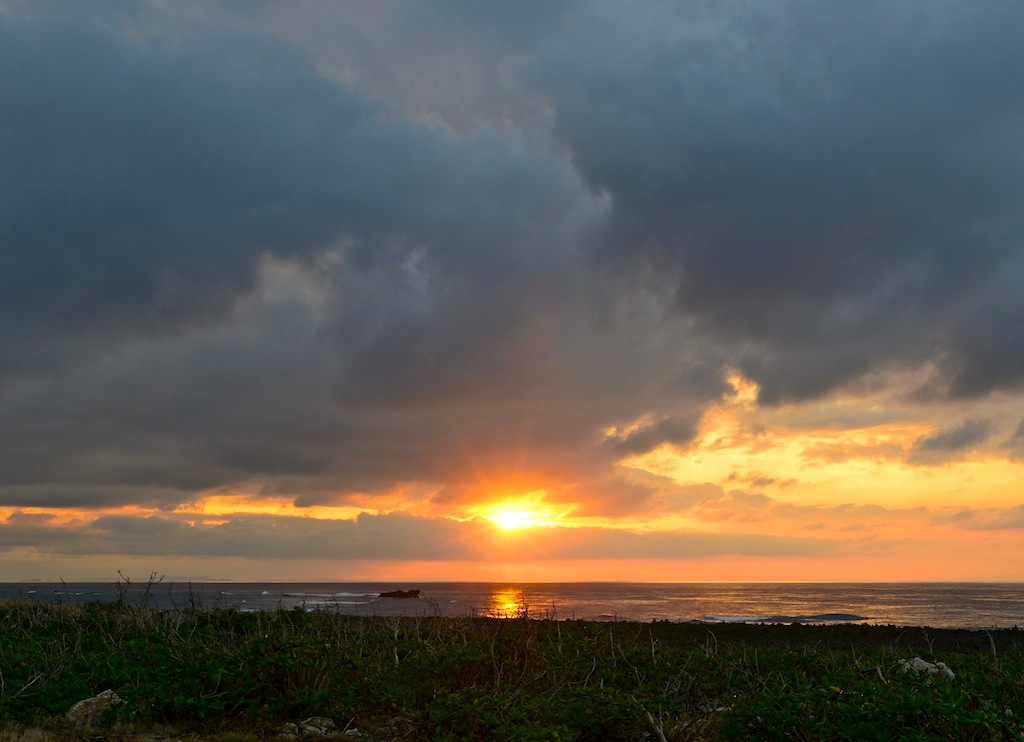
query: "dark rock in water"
400, 594
816, 618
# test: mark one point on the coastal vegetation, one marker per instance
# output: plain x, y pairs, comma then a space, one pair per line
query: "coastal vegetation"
231, 675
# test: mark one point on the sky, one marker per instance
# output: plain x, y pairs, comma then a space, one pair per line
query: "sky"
539, 291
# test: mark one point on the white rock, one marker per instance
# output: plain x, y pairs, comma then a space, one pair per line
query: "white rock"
314, 726
318, 725
91, 710
919, 665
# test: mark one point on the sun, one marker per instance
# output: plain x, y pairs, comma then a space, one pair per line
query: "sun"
512, 519
521, 511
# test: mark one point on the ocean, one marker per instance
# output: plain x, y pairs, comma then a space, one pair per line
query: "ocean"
938, 605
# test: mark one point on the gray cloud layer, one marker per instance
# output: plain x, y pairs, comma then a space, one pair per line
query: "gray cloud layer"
833, 186
343, 248
389, 537
937, 448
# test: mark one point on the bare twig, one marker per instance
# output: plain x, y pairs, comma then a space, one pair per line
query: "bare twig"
995, 656
659, 733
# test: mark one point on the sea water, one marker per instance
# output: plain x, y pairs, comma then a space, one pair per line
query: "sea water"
939, 605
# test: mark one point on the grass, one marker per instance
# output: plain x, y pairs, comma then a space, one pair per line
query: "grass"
225, 675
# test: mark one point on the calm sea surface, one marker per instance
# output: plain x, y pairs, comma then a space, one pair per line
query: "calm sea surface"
940, 605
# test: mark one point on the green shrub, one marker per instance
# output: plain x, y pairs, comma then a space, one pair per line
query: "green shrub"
504, 679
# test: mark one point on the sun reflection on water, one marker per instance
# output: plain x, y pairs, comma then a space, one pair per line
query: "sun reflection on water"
507, 603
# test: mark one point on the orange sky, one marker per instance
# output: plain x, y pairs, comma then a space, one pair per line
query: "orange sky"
761, 494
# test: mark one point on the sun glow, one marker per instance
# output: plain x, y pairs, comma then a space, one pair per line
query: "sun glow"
511, 519
526, 511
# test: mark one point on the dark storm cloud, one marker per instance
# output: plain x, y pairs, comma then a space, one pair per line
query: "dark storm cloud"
678, 432
510, 26
147, 179
1016, 442
144, 178
987, 344
950, 444
832, 188
255, 405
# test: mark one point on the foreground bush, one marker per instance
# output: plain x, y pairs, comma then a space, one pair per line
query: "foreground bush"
505, 679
